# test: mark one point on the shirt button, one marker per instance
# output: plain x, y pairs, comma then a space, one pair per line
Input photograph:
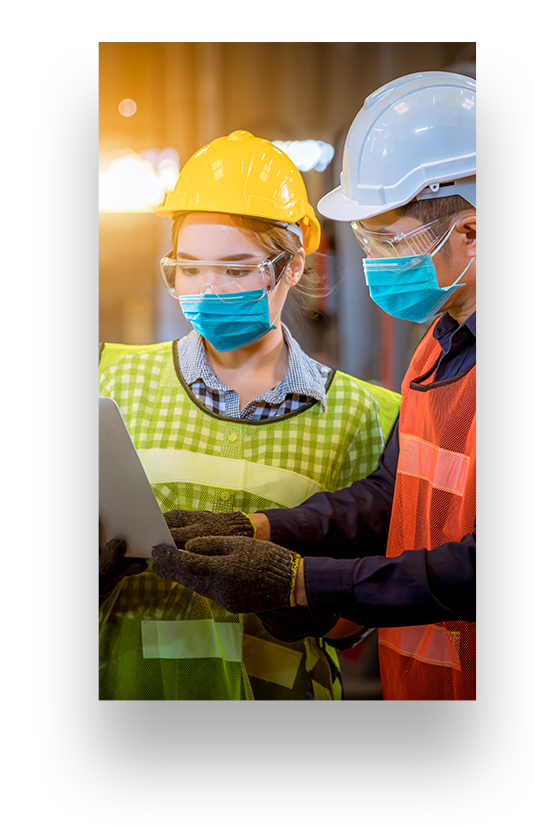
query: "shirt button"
225, 496
232, 437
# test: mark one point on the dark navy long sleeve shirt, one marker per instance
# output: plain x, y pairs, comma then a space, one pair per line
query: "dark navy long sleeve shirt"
343, 537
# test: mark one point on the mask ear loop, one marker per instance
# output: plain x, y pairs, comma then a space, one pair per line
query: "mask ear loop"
273, 322
284, 263
462, 273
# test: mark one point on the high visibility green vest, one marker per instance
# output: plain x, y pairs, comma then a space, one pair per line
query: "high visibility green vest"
159, 640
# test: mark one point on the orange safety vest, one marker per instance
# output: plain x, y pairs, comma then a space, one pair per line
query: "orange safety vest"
434, 502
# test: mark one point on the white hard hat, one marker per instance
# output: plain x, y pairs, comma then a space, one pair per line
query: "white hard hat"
415, 136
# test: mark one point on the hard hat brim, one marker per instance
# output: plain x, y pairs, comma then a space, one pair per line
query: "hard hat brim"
335, 206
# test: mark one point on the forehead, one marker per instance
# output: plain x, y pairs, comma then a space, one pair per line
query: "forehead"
208, 230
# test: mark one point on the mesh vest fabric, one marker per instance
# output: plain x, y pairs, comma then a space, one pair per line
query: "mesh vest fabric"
434, 503
159, 640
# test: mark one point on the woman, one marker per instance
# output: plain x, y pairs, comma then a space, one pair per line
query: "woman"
234, 417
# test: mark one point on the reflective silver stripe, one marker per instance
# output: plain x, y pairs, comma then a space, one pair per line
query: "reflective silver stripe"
205, 639
282, 486
195, 639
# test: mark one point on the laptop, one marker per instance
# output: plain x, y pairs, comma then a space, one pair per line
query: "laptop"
128, 508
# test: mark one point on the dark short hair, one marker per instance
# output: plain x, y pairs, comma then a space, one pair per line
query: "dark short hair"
431, 209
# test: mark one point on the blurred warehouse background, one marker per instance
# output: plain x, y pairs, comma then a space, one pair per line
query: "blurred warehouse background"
161, 102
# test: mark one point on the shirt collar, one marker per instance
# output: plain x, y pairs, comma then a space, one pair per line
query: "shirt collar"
448, 329
304, 375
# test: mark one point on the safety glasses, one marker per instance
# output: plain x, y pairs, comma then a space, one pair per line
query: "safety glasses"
419, 241
185, 277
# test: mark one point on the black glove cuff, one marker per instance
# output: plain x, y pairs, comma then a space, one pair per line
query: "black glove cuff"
294, 623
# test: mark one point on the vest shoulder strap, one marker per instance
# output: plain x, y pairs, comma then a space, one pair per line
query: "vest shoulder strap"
111, 352
388, 401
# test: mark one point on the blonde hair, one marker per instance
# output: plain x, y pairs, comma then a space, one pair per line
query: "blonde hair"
272, 239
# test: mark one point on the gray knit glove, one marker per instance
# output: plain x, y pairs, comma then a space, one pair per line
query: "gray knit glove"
241, 574
189, 524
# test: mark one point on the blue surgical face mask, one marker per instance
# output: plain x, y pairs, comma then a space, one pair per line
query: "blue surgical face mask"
408, 287
240, 319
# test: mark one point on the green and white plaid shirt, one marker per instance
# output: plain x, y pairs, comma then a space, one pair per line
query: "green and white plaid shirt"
304, 381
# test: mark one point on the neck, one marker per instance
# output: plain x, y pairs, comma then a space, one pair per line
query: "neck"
263, 352
463, 301
461, 312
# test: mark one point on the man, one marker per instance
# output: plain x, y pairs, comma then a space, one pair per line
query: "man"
397, 549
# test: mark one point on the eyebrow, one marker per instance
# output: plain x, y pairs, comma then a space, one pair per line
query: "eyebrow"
382, 229
242, 256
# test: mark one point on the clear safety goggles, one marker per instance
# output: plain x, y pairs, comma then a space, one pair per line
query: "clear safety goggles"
424, 239
184, 277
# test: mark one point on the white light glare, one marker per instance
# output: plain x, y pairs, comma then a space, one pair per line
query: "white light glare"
307, 154
129, 182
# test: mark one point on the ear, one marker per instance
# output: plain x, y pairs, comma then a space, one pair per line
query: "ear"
295, 268
466, 225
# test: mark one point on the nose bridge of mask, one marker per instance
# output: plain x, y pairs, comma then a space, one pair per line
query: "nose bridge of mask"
214, 292
408, 273
234, 304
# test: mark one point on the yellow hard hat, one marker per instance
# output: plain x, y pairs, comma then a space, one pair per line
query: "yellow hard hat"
244, 175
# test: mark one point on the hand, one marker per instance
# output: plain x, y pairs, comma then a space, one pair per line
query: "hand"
241, 574
293, 623
113, 567
189, 524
